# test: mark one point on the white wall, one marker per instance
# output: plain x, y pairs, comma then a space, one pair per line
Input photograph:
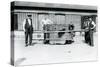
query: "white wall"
57, 19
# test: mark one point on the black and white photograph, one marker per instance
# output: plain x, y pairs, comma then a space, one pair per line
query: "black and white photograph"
49, 33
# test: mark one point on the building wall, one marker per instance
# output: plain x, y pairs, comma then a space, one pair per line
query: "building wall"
57, 19
74, 19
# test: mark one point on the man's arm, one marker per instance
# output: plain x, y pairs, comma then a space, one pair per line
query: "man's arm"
94, 25
24, 25
42, 23
50, 22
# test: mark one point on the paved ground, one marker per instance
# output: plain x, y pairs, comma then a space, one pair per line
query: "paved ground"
40, 53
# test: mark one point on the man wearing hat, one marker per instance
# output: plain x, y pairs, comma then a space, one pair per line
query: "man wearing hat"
28, 29
89, 34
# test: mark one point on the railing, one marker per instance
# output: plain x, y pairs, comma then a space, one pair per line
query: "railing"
82, 30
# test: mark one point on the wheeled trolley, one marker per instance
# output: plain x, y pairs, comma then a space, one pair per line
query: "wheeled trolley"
57, 34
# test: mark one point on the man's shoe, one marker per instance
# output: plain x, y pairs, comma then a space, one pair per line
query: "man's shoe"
26, 45
30, 44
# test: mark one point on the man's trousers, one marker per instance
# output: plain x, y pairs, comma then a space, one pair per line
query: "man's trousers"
89, 37
28, 38
46, 38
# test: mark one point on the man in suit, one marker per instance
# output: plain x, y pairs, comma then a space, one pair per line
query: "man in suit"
28, 29
89, 33
45, 24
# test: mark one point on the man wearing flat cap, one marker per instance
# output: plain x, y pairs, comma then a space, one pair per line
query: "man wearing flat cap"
28, 29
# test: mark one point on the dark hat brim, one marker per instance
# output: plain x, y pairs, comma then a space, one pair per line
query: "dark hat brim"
29, 15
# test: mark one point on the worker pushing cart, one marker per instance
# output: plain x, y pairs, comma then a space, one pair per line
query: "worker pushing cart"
45, 21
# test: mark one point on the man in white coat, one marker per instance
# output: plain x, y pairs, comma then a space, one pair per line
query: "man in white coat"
45, 23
